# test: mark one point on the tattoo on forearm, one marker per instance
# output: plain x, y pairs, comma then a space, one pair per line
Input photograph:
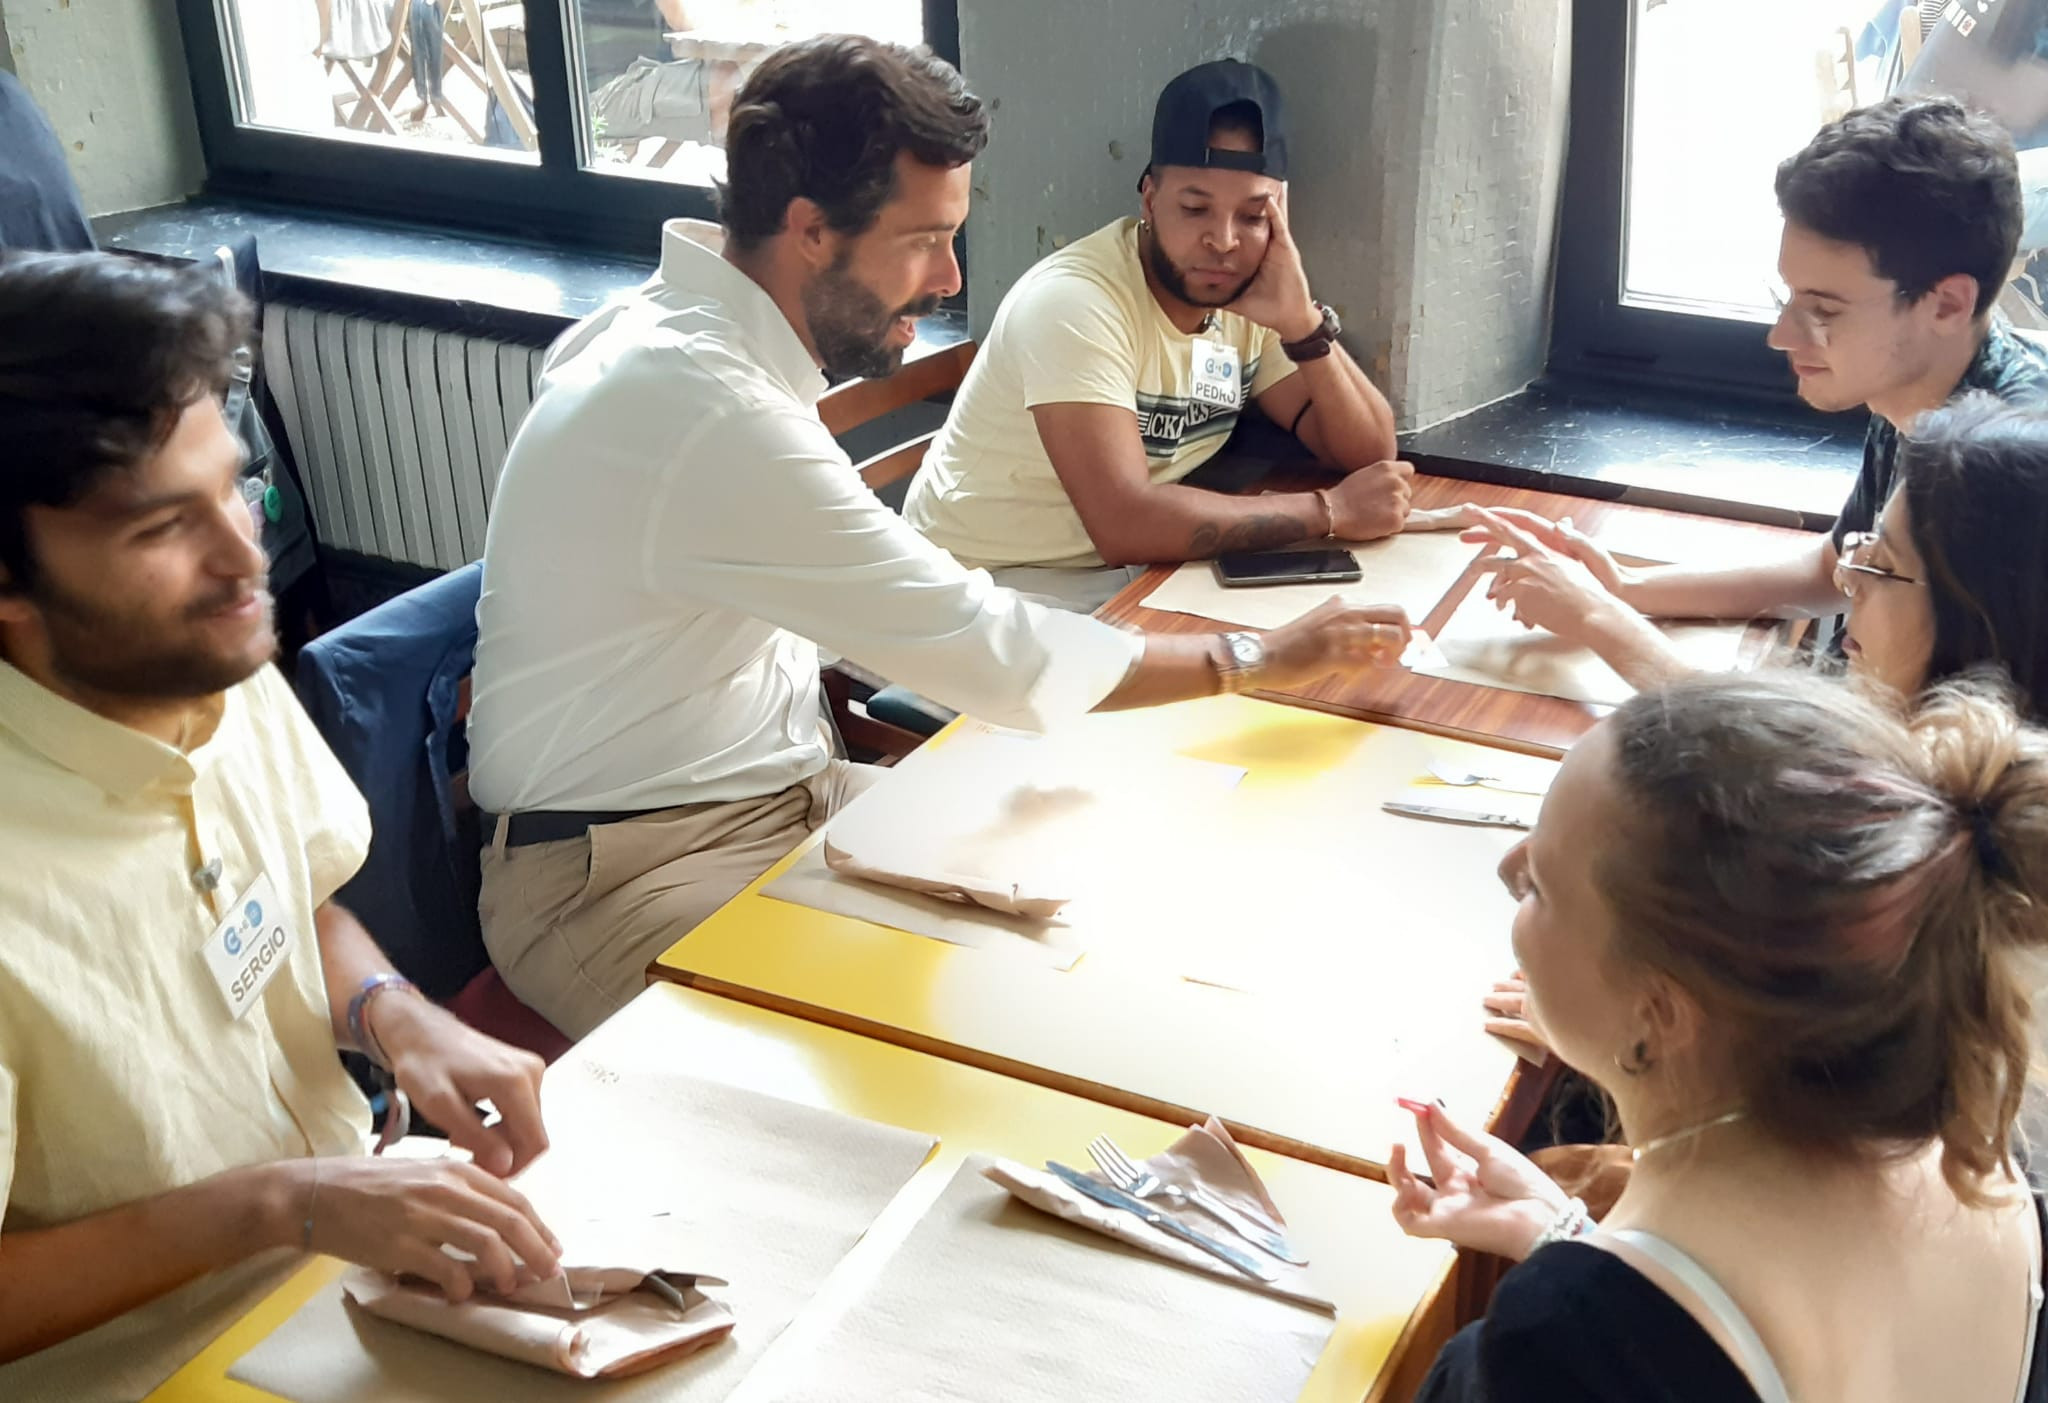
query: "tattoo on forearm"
1252, 533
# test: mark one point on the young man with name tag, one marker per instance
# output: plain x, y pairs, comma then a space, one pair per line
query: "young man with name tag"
676, 537
175, 979
1119, 364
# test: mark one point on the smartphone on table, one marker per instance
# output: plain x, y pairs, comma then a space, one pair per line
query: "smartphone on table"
1286, 567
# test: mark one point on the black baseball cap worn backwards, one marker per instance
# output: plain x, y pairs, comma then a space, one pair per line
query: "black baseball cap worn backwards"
1188, 107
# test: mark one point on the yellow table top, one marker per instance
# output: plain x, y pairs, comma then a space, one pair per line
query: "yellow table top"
1338, 963
1376, 1275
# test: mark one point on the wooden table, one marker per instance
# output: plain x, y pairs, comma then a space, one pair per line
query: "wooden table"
1359, 944
1391, 1291
1539, 725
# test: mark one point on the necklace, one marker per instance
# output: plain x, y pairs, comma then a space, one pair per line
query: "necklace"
1686, 1134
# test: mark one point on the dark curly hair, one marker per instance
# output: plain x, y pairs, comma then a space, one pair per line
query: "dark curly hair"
825, 119
99, 355
1928, 188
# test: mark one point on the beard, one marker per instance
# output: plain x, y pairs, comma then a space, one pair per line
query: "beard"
133, 655
1176, 282
850, 326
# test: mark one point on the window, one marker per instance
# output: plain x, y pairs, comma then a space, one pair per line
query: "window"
1681, 111
581, 121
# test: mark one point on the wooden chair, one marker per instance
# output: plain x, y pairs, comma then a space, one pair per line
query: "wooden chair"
847, 407
857, 402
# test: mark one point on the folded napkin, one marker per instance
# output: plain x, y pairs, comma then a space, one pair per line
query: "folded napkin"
611, 1313
1205, 1156
906, 870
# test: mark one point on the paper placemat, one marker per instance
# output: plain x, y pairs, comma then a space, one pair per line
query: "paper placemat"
1411, 569
766, 1193
1067, 813
988, 1299
1484, 645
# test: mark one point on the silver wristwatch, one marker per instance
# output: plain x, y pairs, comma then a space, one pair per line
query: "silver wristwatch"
1244, 657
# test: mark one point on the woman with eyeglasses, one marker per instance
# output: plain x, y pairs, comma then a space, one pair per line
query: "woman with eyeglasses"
1954, 578
1791, 931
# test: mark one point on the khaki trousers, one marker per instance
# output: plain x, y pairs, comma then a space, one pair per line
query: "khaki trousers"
573, 925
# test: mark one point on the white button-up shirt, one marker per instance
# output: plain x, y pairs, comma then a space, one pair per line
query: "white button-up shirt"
674, 538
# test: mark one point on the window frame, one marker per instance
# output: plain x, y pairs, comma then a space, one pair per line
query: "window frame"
1598, 339
556, 202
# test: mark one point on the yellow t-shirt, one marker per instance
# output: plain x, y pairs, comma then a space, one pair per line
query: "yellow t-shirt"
1081, 327
122, 1073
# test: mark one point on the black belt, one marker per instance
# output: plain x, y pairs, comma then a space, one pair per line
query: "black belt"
555, 825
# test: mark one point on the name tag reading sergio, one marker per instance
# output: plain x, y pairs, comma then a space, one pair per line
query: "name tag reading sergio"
1215, 377
249, 947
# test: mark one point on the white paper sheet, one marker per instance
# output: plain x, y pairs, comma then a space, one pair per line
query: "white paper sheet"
1413, 570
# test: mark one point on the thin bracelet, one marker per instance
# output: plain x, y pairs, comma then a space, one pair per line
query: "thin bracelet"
306, 1234
1329, 510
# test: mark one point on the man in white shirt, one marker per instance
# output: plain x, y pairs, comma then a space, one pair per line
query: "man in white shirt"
676, 536
1119, 365
175, 976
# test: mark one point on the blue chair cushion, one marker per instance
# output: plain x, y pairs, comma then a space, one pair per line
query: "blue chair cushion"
906, 710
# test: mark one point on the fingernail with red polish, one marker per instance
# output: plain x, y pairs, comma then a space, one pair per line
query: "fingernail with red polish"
1409, 1103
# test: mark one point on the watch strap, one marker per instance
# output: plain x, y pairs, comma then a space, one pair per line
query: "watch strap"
1317, 343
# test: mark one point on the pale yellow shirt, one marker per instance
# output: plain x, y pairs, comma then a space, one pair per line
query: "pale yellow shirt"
1081, 327
122, 1073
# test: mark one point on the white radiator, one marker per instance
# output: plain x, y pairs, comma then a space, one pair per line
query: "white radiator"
399, 431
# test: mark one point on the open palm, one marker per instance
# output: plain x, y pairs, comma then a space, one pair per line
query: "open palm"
1486, 1195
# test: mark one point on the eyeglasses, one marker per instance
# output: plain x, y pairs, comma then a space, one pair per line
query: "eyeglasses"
1852, 565
1812, 322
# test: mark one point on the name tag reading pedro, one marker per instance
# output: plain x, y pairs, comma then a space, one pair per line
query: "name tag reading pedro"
1215, 378
248, 948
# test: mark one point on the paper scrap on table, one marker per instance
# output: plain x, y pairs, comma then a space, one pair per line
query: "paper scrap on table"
1438, 519
1413, 570
1483, 645
1422, 653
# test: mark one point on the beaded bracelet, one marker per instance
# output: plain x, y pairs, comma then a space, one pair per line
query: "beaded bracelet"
358, 1010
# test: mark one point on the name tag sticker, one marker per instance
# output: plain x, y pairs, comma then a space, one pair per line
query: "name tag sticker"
249, 947
1215, 374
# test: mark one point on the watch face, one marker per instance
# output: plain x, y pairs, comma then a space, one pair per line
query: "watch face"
1331, 325
1246, 650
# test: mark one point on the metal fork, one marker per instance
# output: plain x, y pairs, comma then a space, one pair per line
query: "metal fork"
1444, 772
1138, 1182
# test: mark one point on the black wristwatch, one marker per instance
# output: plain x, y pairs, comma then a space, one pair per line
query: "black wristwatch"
1317, 343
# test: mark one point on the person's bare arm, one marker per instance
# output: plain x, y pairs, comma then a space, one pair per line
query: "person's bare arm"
443, 1064
1799, 584
394, 1215
1100, 460
1338, 414
1333, 638
59, 1282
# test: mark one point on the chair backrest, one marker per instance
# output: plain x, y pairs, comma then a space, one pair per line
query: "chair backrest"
859, 402
385, 689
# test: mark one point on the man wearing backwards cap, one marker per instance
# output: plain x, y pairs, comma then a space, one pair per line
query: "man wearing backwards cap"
1119, 365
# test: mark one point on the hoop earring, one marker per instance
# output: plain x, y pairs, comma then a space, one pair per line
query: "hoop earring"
1638, 1060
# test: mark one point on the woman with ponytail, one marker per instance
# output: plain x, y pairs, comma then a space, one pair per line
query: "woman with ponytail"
1792, 935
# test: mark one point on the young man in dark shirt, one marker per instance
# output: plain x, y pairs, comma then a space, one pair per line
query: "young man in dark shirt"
1901, 224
